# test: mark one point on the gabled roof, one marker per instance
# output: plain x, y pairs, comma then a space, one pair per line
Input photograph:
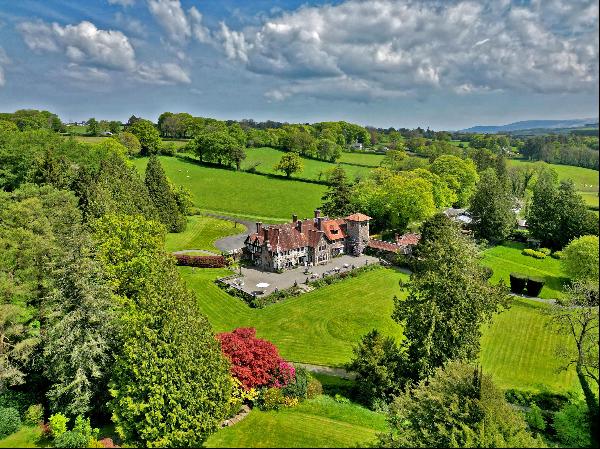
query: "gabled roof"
408, 239
358, 217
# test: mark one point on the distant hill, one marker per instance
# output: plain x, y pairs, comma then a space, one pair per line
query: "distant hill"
533, 124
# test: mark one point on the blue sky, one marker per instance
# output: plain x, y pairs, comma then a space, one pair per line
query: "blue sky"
401, 63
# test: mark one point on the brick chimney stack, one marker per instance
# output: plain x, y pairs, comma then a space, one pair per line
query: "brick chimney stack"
294, 218
266, 234
258, 227
317, 213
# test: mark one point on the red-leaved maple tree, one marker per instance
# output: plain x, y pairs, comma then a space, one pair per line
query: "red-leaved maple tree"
255, 362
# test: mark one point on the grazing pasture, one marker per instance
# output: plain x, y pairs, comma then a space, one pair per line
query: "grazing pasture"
365, 159
585, 179
264, 159
319, 422
241, 194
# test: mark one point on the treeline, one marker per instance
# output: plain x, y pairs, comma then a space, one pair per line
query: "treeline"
581, 151
95, 320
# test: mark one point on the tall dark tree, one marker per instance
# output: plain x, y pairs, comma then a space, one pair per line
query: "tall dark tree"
80, 330
115, 187
491, 207
449, 298
161, 195
337, 200
378, 363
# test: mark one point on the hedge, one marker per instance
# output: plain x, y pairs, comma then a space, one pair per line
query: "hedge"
517, 283
534, 253
534, 286
201, 261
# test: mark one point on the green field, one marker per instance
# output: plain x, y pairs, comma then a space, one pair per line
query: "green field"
319, 422
26, 436
201, 233
322, 326
267, 158
585, 179
241, 194
507, 258
366, 159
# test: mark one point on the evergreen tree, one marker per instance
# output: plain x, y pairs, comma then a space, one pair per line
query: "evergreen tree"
78, 341
161, 195
449, 298
377, 362
337, 200
491, 207
116, 187
170, 382
458, 407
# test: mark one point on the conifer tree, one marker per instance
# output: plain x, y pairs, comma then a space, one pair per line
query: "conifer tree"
162, 197
337, 199
170, 382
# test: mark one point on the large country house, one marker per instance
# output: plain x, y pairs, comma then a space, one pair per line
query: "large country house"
307, 242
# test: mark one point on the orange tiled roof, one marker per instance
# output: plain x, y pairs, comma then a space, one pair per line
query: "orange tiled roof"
358, 217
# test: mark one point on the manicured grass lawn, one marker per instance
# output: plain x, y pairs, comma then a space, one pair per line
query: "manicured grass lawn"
321, 327
26, 436
201, 233
313, 169
319, 422
585, 179
241, 194
366, 159
507, 258
519, 350
590, 198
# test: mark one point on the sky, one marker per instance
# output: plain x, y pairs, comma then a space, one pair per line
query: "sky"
402, 63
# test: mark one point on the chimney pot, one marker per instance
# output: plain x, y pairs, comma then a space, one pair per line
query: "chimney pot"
265, 233
294, 218
317, 213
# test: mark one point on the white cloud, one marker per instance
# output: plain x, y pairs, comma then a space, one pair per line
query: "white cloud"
398, 47
167, 73
94, 53
81, 43
178, 26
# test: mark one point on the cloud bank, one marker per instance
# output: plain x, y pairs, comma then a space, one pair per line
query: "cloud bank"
382, 48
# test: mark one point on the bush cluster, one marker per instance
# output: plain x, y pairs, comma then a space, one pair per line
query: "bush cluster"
201, 261
545, 400
533, 253
557, 255
520, 282
34, 414
546, 251
10, 421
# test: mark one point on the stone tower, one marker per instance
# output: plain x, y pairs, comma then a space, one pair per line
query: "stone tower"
357, 228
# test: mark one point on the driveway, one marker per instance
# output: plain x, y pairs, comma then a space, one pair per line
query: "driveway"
252, 275
234, 242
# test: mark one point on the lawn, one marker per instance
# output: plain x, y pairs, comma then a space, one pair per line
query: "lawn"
201, 233
519, 350
366, 159
241, 194
267, 158
585, 179
319, 422
507, 258
26, 436
321, 327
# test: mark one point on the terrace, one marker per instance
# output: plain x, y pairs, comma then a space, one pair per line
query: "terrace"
252, 276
